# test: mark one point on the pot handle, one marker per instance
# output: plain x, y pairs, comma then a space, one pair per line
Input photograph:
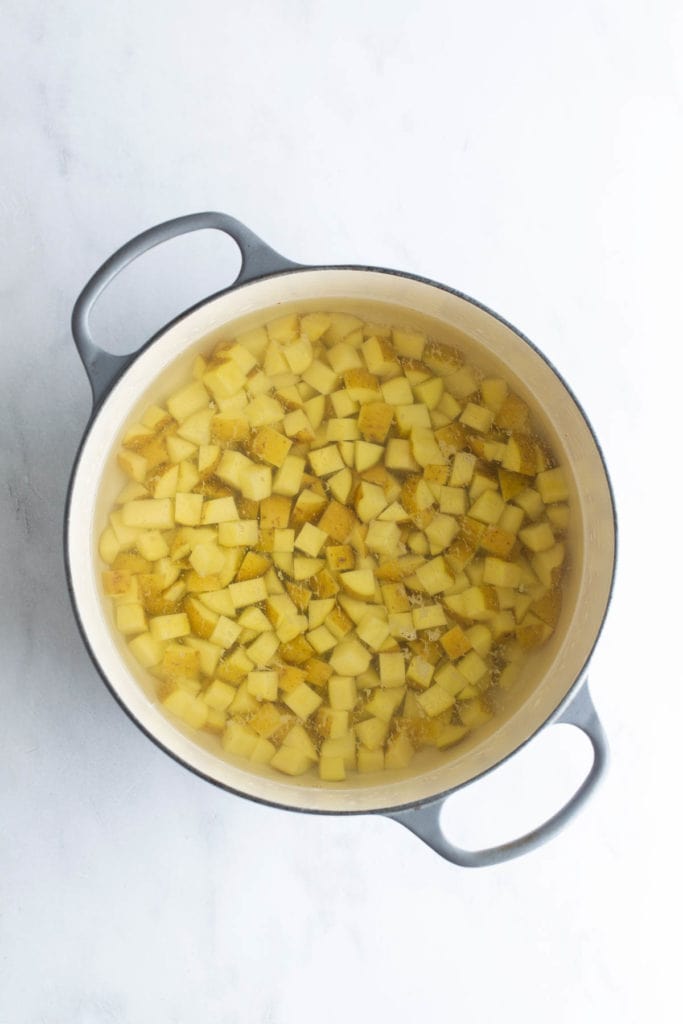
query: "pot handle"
104, 368
424, 820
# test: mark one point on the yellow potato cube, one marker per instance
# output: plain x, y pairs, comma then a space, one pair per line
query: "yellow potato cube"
321, 639
320, 377
150, 514
358, 583
552, 485
373, 631
410, 418
325, 461
350, 658
271, 446
370, 760
130, 619
331, 723
152, 545
284, 329
366, 455
383, 537
188, 400
248, 592
303, 701
262, 685
488, 507
392, 670
191, 709
314, 325
197, 428
305, 568
147, 650
241, 533
188, 509
380, 357
168, 627
398, 455
420, 672
225, 632
399, 752
463, 469
429, 616
219, 695
263, 649
473, 667
240, 740
343, 746
342, 692
538, 537
500, 573
207, 559
342, 430
434, 576
478, 417
298, 739
435, 700
371, 501
332, 769
310, 539
373, 732
289, 476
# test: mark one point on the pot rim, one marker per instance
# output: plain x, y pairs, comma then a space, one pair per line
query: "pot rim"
124, 363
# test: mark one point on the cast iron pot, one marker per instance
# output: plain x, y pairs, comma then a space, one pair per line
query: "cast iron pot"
554, 688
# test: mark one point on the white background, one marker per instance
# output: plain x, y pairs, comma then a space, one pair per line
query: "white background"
527, 153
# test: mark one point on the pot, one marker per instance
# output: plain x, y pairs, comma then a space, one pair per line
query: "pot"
554, 688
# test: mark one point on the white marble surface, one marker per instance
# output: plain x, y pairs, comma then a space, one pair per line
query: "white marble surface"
530, 154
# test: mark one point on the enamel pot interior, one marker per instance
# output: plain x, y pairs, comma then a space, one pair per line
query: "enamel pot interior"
551, 673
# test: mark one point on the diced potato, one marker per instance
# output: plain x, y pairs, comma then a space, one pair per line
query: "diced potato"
399, 752
148, 514
538, 537
501, 573
303, 701
370, 760
350, 658
168, 627
131, 619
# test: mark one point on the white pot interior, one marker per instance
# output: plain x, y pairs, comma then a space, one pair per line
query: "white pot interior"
551, 672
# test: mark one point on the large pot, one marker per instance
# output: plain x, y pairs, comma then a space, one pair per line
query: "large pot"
554, 688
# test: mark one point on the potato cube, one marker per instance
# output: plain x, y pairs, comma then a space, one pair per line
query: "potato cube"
241, 533
488, 507
399, 751
412, 417
398, 455
342, 430
342, 692
219, 695
188, 509
290, 761
373, 631
146, 649
392, 670
225, 632
188, 400
429, 616
168, 627
248, 592
343, 357
303, 701
325, 461
320, 377
380, 357
384, 703
310, 539
434, 576
473, 667
370, 502
366, 455
552, 485
435, 700
370, 760
150, 514
500, 573
332, 769
271, 446
263, 649
321, 639
350, 658
262, 685
358, 583
383, 538
477, 417
420, 672
337, 521
546, 564
538, 537
374, 421
130, 619
440, 532
331, 723
455, 643
520, 455
373, 732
